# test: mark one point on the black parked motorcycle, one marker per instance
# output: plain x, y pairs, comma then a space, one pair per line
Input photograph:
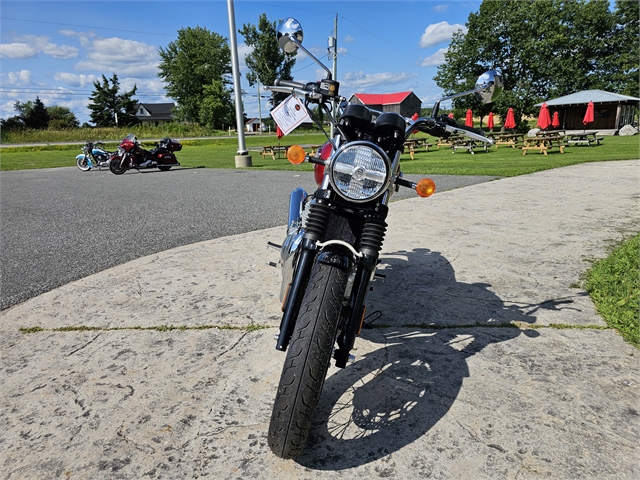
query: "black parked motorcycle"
334, 235
130, 154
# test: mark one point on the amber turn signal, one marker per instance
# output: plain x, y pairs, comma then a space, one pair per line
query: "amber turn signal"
425, 187
296, 154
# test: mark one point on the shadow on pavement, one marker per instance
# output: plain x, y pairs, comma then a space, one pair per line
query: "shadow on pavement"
395, 394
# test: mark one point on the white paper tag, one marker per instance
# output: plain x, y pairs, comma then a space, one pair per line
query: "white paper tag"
290, 114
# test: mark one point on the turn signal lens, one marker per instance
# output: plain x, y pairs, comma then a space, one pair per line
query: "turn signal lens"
425, 187
296, 154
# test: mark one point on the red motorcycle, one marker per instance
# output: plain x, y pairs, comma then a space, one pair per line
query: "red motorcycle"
130, 154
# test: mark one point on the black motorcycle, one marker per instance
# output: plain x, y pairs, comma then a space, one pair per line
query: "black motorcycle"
334, 235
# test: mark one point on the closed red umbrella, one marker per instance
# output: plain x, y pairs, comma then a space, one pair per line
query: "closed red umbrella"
469, 119
589, 115
510, 121
490, 121
555, 122
544, 119
279, 133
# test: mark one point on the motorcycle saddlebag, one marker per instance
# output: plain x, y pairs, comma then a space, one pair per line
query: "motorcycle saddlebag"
172, 144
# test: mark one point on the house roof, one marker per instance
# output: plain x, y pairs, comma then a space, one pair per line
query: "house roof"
158, 108
586, 96
382, 98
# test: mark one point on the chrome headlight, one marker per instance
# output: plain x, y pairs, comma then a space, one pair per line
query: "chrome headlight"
360, 171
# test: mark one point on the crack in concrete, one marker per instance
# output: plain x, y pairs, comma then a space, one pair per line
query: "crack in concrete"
85, 345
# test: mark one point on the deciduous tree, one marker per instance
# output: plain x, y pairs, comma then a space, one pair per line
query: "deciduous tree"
544, 49
267, 61
195, 68
61, 118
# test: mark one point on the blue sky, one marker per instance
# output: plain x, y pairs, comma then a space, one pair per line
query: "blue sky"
56, 49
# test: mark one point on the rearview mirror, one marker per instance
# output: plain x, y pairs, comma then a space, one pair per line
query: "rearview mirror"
489, 86
289, 35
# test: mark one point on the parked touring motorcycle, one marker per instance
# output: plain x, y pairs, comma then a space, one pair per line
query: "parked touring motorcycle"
334, 235
130, 154
93, 155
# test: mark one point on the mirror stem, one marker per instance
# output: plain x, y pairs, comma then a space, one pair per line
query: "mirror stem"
295, 40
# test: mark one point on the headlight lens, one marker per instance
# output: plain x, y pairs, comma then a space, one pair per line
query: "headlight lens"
360, 171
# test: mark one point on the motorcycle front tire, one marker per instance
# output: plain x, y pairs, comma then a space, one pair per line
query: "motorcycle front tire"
308, 358
83, 164
118, 167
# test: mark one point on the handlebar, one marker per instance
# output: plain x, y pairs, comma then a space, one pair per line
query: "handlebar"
288, 83
294, 90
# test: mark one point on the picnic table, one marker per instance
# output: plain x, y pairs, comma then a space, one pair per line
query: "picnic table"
449, 142
510, 139
273, 150
543, 142
412, 144
468, 145
584, 138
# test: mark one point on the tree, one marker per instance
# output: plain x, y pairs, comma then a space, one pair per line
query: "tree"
267, 61
109, 107
195, 69
61, 118
214, 108
543, 49
33, 114
625, 61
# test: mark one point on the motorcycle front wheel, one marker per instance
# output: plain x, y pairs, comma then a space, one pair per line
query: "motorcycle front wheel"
118, 166
83, 164
308, 358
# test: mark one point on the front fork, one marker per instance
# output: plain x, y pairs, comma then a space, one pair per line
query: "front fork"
353, 315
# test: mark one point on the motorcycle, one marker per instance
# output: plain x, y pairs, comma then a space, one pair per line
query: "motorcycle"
130, 154
93, 155
334, 235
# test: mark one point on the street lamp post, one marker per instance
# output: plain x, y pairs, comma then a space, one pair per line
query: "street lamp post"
243, 159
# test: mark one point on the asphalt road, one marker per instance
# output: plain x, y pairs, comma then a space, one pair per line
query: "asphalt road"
60, 225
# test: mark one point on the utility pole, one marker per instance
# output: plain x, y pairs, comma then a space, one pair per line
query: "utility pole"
243, 159
259, 108
333, 53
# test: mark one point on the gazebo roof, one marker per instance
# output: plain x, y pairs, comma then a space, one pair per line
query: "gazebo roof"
586, 96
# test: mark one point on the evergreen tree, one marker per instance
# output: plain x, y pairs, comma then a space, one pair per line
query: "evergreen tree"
33, 114
109, 107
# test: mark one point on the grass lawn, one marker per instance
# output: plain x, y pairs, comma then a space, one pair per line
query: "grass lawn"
614, 286
220, 153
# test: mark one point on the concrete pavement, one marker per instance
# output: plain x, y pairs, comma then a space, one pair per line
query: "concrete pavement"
437, 389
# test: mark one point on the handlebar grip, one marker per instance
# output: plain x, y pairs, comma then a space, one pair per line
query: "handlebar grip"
289, 83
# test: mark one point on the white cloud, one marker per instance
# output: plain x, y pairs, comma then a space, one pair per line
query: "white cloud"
23, 77
359, 80
435, 59
124, 57
73, 80
20, 51
243, 51
437, 33
439, 8
349, 39
42, 44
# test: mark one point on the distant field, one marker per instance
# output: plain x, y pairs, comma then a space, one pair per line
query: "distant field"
220, 153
